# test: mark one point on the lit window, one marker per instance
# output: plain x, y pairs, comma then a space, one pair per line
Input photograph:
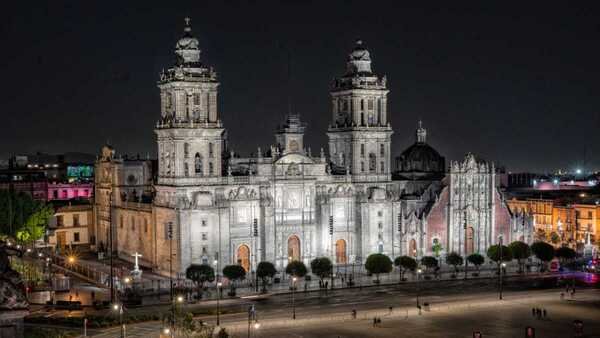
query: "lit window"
204, 236
75, 237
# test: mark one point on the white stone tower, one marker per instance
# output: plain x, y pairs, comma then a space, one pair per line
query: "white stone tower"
360, 133
189, 133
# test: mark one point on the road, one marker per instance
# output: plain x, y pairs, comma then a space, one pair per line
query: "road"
453, 312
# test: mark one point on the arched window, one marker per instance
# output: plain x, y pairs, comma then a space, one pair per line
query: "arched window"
372, 163
198, 164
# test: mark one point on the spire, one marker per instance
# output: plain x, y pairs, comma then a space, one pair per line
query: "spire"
421, 133
359, 60
186, 48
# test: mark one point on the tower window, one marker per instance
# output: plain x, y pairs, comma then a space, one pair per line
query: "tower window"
210, 150
196, 99
362, 167
362, 119
382, 167
362, 104
210, 169
198, 164
371, 121
370, 104
372, 163
362, 150
186, 169
381, 150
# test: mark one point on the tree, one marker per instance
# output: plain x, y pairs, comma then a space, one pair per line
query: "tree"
35, 225
405, 263
265, 270
322, 267
476, 259
493, 253
520, 251
543, 251
455, 260
296, 269
565, 254
200, 274
377, 264
15, 209
429, 262
234, 273
436, 248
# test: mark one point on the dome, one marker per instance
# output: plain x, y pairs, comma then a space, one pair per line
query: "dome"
359, 60
420, 159
187, 50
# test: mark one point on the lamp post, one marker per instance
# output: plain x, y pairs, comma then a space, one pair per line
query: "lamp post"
119, 307
500, 266
219, 284
293, 297
418, 288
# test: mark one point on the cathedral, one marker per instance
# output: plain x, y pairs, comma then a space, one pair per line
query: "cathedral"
203, 204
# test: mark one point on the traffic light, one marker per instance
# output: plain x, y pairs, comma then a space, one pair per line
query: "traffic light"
331, 225
255, 227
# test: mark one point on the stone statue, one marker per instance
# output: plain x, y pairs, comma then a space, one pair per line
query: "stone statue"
12, 296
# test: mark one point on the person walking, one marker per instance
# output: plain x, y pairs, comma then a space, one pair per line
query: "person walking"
374, 321
544, 313
391, 309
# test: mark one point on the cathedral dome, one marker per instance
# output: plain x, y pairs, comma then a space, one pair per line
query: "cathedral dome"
420, 159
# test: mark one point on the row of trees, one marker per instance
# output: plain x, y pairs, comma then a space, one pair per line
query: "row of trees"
23, 218
379, 263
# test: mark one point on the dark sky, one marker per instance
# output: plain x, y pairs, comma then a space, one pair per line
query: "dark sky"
514, 84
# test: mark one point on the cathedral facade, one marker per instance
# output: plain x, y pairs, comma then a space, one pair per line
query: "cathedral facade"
208, 205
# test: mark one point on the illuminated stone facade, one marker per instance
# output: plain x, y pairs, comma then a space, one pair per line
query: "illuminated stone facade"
285, 203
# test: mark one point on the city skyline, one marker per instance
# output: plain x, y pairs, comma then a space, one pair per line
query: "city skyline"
469, 102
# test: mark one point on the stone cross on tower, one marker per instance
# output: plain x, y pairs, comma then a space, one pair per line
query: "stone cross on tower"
187, 21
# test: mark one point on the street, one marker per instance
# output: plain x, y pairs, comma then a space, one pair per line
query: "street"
452, 312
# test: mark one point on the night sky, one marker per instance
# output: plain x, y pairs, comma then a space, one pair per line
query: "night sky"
514, 84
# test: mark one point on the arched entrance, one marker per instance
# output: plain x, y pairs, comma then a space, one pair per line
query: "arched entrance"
412, 248
340, 252
469, 244
294, 248
243, 257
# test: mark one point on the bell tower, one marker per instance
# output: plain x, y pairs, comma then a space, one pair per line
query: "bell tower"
360, 132
190, 135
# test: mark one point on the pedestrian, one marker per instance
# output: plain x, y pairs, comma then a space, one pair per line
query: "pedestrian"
562, 296
374, 321
544, 313
391, 308
533, 311
326, 284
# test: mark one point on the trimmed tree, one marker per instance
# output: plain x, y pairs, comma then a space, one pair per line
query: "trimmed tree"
429, 262
554, 238
544, 252
234, 273
493, 253
520, 251
296, 269
405, 263
455, 260
476, 259
322, 267
265, 270
377, 264
565, 254
200, 274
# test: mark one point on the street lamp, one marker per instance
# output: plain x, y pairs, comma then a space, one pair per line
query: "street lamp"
180, 299
503, 265
119, 307
418, 278
293, 296
219, 284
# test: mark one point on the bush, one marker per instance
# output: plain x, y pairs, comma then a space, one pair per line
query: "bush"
378, 263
